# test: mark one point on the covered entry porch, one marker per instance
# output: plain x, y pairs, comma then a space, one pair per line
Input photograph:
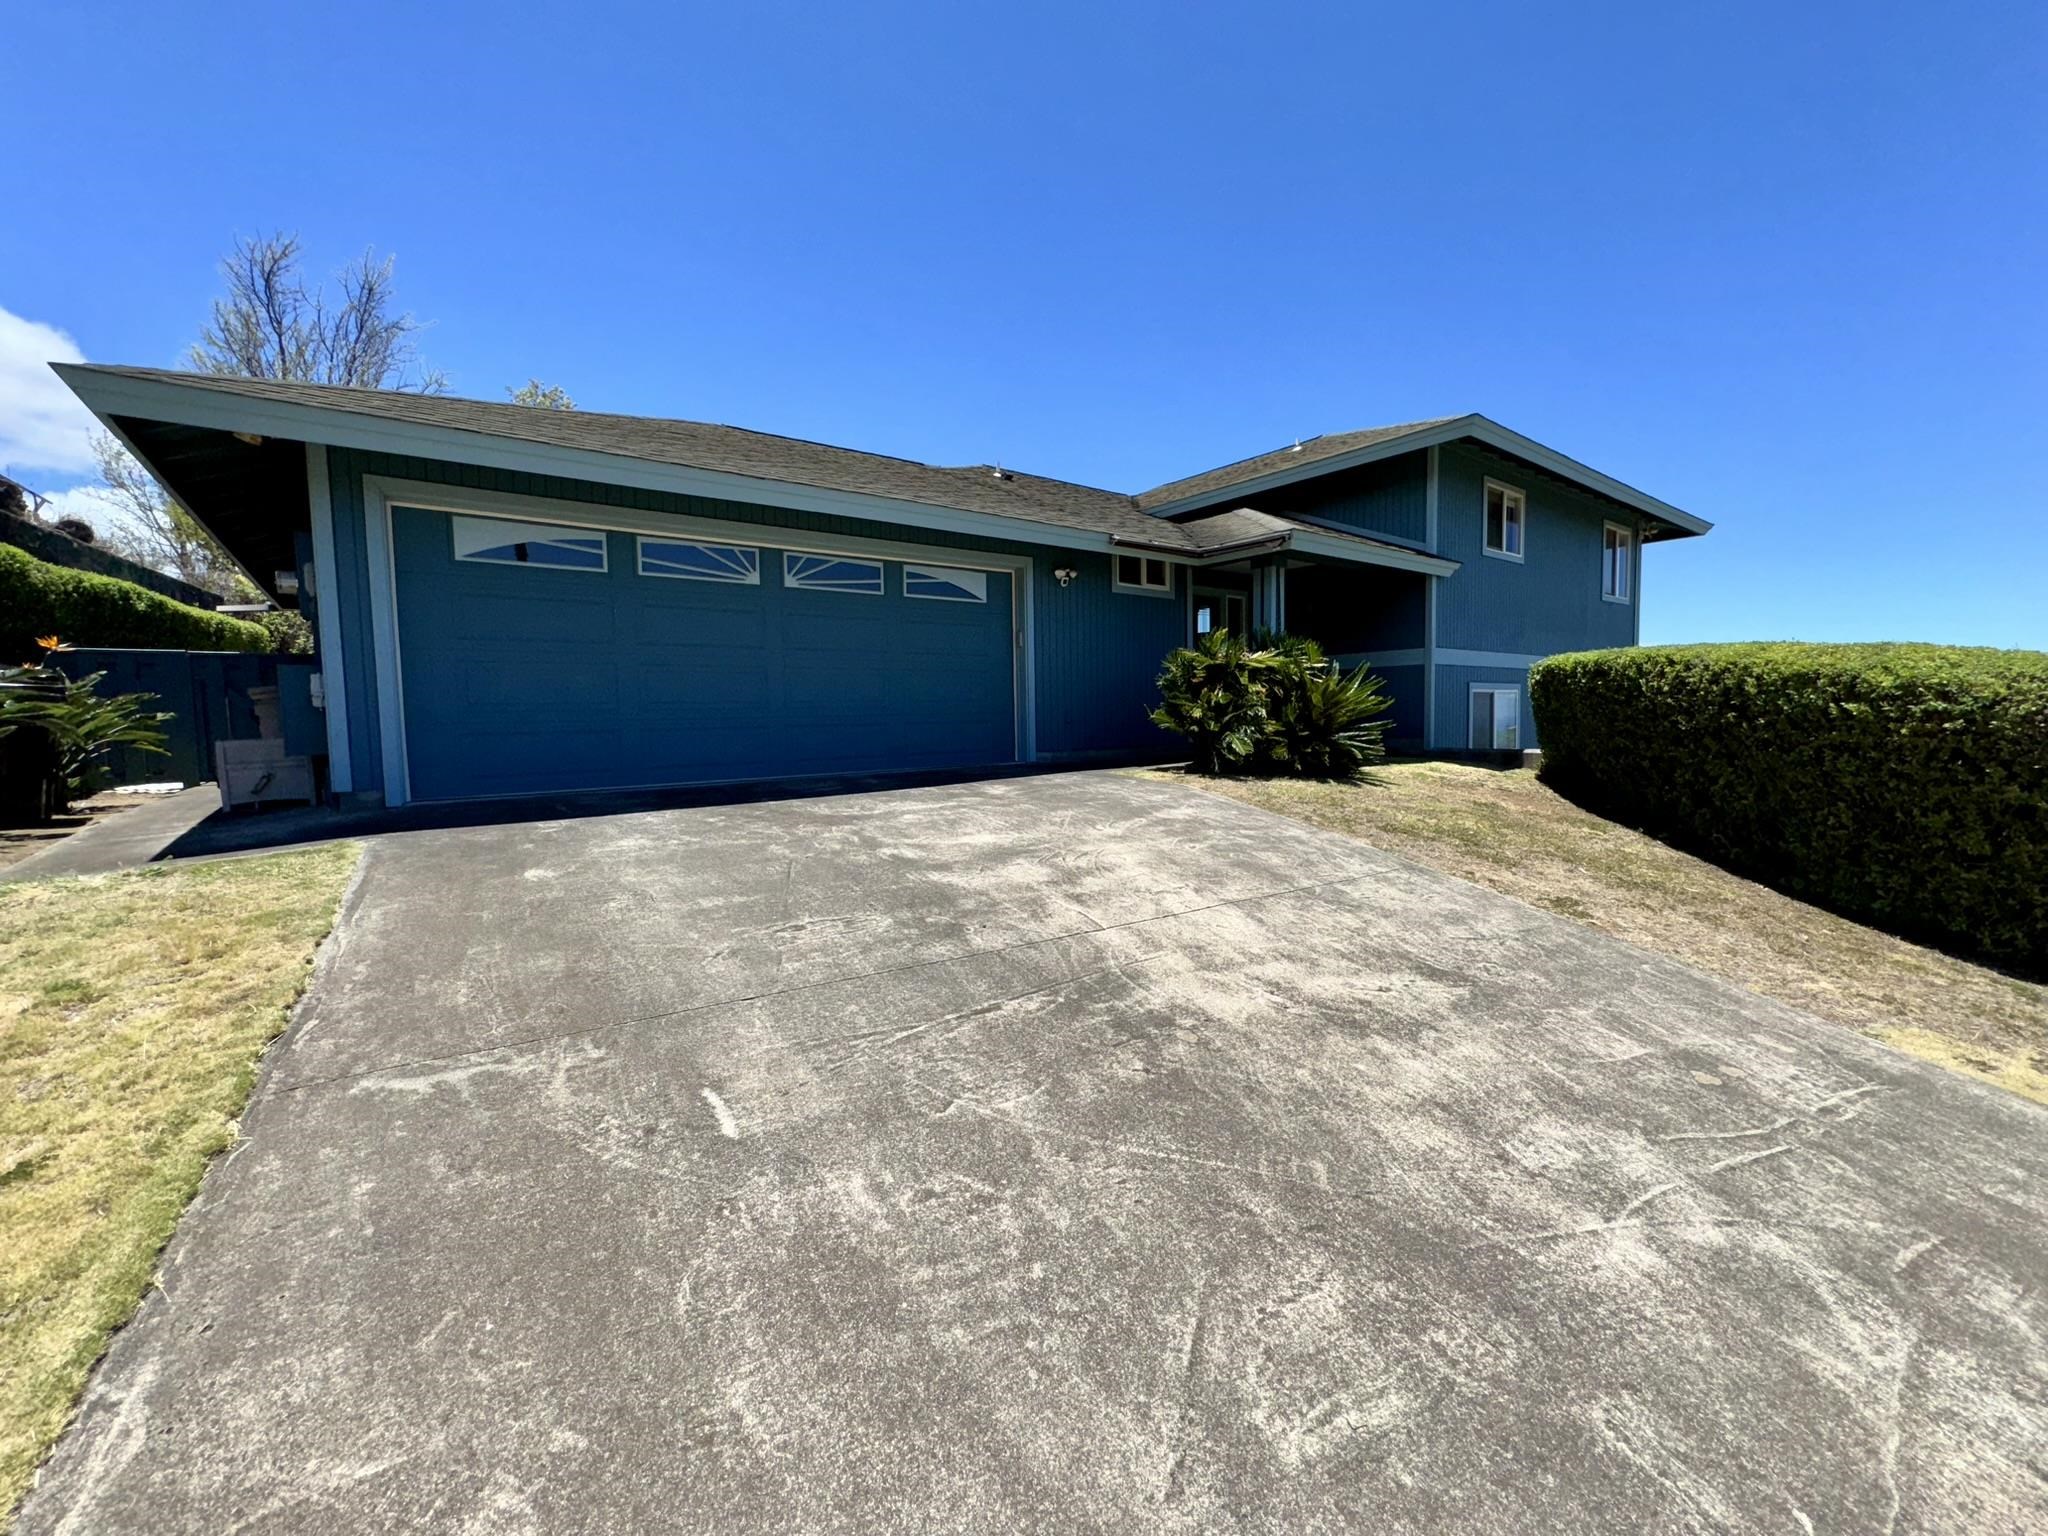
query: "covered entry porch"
1361, 613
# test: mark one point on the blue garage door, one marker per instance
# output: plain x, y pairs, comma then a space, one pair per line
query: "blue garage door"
540, 657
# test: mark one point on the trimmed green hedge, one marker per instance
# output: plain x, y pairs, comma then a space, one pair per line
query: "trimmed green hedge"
84, 609
1905, 785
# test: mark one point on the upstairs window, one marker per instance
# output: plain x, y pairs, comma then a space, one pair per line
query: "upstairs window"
1142, 573
1506, 512
1617, 544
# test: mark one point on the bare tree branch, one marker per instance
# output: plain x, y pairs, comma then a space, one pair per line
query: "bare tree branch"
270, 325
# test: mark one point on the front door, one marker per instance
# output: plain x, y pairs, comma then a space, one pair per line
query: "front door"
1219, 610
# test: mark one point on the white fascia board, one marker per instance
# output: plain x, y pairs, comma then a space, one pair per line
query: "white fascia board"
1479, 429
1336, 547
195, 406
1495, 435
327, 605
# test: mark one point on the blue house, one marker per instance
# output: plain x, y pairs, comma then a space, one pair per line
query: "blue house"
512, 601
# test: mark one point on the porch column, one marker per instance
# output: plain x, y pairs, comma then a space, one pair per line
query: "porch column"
1269, 597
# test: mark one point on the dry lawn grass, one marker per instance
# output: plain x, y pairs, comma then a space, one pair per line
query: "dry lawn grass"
133, 1008
1507, 830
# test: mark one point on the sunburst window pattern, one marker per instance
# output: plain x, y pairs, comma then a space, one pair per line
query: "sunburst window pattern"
700, 562
832, 573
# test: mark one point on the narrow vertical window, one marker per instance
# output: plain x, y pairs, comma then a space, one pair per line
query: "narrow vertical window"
1506, 512
1617, 548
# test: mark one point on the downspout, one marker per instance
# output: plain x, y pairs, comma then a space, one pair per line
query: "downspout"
1635, 585
1429, 508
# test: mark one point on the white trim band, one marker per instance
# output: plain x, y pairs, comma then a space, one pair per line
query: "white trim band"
327, 608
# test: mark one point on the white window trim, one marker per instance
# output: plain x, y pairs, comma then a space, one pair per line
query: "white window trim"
1521, 498
941, 573
1472, 690
641, 541
604, 545
1220, 598
880, 589
381, 493
1139, 588
1628, 575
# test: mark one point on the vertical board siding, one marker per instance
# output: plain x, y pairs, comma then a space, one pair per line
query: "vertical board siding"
1389, 498
1404, 728
1549, 601
1098, 657
1096, 652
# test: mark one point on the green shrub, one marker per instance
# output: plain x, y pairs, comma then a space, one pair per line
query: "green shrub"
37, 599
288, 631
1906, 785
1274, 707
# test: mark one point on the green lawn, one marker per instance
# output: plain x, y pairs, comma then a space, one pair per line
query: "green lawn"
1507, 830
133, 1010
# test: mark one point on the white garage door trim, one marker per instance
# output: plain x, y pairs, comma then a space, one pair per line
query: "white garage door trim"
381, 493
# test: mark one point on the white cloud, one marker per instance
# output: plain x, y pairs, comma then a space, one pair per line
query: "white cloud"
83, 501
43, 427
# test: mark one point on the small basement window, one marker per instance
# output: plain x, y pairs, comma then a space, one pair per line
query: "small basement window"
1496, 718
1143, 573
1616, 546
832, 573
1507, 509
502, 541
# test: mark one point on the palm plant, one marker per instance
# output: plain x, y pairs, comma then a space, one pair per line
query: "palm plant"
1214, 694
1331, 725
82, 726
1274, 706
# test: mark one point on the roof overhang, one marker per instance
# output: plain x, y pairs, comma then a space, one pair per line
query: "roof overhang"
1475, 428
116, 397
1304, 541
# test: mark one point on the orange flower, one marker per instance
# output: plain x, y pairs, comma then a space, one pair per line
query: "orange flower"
51, 643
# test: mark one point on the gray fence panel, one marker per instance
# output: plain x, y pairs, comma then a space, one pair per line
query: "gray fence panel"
206, 692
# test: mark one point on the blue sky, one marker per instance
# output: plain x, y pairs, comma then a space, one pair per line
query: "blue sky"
1782, 266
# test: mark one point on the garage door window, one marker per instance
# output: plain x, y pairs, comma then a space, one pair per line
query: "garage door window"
500, 541
700, 562
945, 584
832, 573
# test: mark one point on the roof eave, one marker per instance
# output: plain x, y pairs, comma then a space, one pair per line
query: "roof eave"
1479, 428
108, 395
1309, 542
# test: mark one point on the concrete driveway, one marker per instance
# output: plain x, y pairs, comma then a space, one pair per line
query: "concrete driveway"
1071, 1153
